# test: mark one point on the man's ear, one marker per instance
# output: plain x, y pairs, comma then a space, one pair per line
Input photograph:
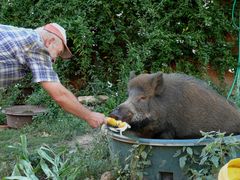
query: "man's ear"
49, 41
158, 83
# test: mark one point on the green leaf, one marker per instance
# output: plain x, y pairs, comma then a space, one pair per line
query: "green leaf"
184, 148
46, 169
215, 161
17, 178
147, 162
189, 151
45, 156
203, 160
139, 175
144, 155
233, 152
177, 153
23, 145
16, 171
27, 168
182, 161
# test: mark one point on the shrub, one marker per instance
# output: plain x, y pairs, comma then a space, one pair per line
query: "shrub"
111, 38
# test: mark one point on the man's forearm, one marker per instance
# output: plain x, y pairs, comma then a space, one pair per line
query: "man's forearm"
66, 99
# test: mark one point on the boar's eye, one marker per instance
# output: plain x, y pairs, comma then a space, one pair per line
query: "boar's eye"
142, 97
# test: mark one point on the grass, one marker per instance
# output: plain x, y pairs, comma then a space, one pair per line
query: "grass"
56, 131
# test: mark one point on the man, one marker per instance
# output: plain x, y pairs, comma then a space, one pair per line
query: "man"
23, 50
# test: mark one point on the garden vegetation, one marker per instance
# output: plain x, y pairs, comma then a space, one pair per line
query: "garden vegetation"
108, 40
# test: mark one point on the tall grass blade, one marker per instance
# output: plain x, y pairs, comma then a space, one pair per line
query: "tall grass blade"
17, 178
46, 169
23, 146
45, 156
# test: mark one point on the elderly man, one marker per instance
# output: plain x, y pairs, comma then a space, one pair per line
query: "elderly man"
26, 50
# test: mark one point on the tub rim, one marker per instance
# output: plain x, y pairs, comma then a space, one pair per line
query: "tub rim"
157, 142
23, 110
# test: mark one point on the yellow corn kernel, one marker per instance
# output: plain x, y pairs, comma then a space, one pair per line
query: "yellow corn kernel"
115, 123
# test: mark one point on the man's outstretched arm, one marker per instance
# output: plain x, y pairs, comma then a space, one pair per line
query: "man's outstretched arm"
70, 103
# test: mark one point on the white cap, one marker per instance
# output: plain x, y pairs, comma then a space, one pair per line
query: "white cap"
61, 33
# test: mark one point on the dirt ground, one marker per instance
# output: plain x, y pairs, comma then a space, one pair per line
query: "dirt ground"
84, 141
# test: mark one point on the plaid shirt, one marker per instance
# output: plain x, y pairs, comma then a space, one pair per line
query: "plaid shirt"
22, 51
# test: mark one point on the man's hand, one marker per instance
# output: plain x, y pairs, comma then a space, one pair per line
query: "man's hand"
95, 119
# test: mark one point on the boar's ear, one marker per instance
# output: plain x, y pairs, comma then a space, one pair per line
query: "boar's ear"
132, 75
157, 83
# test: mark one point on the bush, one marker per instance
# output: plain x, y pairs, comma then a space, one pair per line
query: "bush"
111, 38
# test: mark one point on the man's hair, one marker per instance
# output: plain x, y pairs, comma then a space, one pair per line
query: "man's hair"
48, 34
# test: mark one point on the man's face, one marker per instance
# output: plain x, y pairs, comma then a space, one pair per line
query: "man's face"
55, 48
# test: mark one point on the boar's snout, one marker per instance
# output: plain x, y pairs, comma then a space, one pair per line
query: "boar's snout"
122, 114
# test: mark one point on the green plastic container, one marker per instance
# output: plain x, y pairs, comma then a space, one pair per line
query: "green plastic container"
164, 166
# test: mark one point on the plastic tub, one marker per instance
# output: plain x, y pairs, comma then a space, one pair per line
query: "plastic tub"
21, 115
163, 163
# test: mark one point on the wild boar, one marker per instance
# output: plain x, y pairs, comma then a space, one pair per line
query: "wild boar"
175, 106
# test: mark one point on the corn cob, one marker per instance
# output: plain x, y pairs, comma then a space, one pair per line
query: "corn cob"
115, 123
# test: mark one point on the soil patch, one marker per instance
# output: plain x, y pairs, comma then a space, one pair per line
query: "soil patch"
84, 141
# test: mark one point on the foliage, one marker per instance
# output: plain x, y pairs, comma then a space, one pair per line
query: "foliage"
136, 162
111, 38
206, 163
94, 160
60, 163
47, 163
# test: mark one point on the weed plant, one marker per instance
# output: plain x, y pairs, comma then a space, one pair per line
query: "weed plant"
135, 163
47, 163
53, 130
109, 39
206, 163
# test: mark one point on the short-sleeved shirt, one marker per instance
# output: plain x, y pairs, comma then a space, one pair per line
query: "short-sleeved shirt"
22, 51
